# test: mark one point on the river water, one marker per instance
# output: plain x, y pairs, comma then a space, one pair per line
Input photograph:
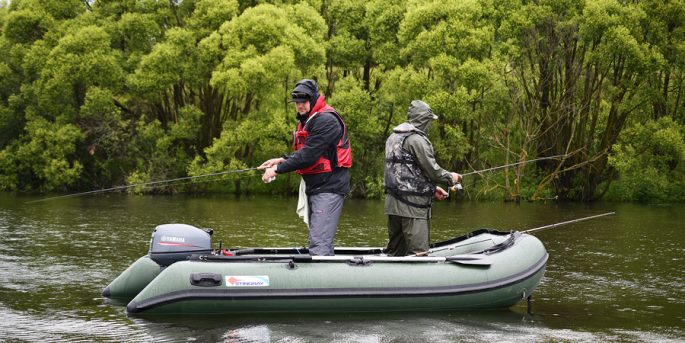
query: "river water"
615, 278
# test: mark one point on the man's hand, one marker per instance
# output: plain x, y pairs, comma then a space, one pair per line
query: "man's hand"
440, 194
269, 174
457, 182
270, 163
456, 177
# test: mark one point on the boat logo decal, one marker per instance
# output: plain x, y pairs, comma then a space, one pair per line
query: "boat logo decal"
176, 244
247, 280
174, 241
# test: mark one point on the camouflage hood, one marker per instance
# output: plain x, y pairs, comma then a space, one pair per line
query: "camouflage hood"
420, 115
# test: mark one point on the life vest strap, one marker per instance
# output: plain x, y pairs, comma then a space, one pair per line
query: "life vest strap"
397, 194
396, 159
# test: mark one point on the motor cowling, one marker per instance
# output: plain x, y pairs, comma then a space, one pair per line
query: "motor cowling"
176, 242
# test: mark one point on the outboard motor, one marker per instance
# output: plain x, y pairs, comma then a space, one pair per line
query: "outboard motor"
176, 242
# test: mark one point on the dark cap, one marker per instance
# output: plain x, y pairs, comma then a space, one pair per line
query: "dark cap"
305, 90
299, 97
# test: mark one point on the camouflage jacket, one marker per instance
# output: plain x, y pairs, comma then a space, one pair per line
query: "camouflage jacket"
420, 148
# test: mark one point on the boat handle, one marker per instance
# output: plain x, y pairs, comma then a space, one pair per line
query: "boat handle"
205, 279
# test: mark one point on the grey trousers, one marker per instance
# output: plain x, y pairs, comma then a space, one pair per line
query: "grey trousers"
324, 215
407, 235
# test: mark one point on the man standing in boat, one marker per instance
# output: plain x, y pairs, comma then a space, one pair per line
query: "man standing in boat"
411, 177
323, 156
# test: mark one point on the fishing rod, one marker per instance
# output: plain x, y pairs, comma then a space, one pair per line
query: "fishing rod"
144, 184
531, 230
568, 222
458, 186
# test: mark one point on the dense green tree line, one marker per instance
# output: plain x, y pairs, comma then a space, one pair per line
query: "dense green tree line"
98, 93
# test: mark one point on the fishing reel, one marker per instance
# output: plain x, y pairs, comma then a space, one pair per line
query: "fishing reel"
458, 189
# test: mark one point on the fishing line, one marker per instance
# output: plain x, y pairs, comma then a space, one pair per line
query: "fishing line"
458, 186
195, 182
143, 184
513, 164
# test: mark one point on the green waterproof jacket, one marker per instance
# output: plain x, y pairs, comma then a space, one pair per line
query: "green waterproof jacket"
420, 116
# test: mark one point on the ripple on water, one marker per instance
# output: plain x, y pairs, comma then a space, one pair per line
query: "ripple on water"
597, 274
21, 326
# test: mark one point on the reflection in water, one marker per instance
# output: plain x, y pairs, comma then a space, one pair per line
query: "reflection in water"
483, 326
617, 278
258, 333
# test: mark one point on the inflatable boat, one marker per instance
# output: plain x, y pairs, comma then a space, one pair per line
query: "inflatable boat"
181, 274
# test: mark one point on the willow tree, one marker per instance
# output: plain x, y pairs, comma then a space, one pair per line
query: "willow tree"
581, 70
448, 47
177, 73
361, 47
262, 53
52, 59
649, 155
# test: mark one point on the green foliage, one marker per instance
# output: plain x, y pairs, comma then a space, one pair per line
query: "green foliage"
366, 134
136, 32
44, 160
105, 150
79, 60
25, 26
102, 93
650, 162
244, 145
58, 9
167, 64
209, 15
158, 156
454, 27
383, 20
10, 126
347, 47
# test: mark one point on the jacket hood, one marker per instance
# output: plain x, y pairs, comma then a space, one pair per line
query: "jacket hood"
420, 115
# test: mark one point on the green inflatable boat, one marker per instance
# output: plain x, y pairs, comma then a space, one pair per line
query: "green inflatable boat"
182, 275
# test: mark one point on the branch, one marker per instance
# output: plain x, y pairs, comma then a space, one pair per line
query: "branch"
558, 170
122, 107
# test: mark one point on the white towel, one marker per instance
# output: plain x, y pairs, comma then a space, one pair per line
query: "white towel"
302, 204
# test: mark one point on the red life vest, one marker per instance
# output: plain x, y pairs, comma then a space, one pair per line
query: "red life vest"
343, 148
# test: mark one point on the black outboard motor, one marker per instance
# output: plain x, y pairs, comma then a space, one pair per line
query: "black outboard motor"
176, 242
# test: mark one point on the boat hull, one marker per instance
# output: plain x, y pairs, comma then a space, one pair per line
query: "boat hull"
133, 280
289, 284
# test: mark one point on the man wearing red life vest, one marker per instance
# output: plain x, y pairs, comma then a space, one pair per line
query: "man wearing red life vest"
323, 156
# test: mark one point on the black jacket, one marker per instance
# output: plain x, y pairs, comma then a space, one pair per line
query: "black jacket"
324, 133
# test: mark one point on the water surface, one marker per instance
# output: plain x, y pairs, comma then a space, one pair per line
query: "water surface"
618, 278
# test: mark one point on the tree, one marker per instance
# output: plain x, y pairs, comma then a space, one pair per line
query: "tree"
262, 50
581, 69
647, 159
449, 45
143, 90
45, 157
